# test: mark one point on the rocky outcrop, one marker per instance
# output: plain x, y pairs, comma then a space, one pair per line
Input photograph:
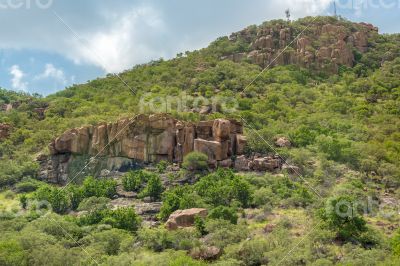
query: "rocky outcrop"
152, 138
130, 143
184, 218
322, 47
258, 163
143, 139
5, 130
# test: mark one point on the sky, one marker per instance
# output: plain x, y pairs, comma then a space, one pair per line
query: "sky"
47, 45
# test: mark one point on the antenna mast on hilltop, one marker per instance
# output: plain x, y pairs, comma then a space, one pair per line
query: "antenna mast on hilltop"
334, 9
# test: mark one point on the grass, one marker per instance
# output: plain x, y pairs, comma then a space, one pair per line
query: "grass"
9, 201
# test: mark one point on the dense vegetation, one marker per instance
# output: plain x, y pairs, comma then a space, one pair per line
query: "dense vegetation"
345, 131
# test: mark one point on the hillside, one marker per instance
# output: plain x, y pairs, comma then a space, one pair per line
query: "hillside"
331, 92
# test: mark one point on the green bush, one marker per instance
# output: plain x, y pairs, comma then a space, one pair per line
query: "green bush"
28, 185
341, 216
225, 213
99, 187
122, 218
162, 166
134, 180
58, 198
195, 161
75, 195
12, 253
154, 188
23, 200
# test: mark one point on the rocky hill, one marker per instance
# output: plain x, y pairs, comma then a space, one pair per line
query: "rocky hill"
319, 46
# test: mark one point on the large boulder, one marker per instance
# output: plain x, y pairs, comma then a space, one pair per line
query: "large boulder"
206, 253
73, 141
213, 149
221, 129
242, 163
184, 218
283, 142
4, 131
266, 164
241, 142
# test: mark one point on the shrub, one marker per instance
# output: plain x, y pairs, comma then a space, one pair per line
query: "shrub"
134, 180
28, 185
59, 201
341, 216
9, 194
263, 196
93, 204
23, 200
222, 233
99, 188
122, 218
223, 188
162, 166
153, 189
58, 198
75, 195
12, 253
200, 225
225, 213
195, 161
250, 252
156, 239
395, 243
181, 197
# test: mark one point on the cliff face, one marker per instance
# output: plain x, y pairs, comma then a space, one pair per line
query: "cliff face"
145, 139
320, 47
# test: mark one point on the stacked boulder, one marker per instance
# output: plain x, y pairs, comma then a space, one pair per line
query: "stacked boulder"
147, 139
153, 138
322, 47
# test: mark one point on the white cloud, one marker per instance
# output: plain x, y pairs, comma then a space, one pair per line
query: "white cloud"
119, 35
309, 7
16, 81
50, 71
130, 39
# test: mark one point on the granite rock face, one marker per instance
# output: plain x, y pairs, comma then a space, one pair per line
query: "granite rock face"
153, 138
143, 139
322, 47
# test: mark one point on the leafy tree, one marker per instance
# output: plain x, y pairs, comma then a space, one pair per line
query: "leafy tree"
342, 216
75, 195
59, 201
